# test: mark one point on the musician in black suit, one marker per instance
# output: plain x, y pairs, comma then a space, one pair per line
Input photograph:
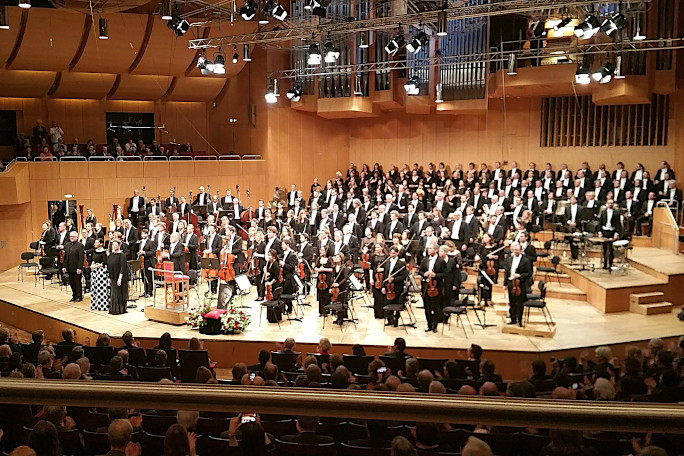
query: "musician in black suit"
130, 239
147, 250
191, 243
645, 213
289, 266
184, 208
177, 253
394, 226
394, 272
375, 224
517, 266
673, 196
171, 200
88, 243
213, 245
574, 214
47, 239
433, 268
136, 207
609, 228
234, 244
452, 277
73, 266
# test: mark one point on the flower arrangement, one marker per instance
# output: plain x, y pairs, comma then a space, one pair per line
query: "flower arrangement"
196, 314
234, 321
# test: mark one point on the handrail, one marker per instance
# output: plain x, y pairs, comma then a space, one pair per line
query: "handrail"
204, 157
229, 157
155, 158
181, 157
51, 158
73, 158
128, 158
517, 412
252, 157
107, 158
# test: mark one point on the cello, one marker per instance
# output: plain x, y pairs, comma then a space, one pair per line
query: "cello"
245, 218
226, 271
192, 217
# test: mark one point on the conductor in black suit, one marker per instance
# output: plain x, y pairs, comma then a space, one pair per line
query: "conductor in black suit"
148, 248
177, 253
609, 228
73, 265
517, 266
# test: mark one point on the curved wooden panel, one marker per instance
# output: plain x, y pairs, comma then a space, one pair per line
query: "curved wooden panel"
165, 54
114, 55
84, 85
9, 37
141, 87
196, 89
51, 39
25, 84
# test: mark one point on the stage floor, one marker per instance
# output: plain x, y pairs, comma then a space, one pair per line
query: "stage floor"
579, 324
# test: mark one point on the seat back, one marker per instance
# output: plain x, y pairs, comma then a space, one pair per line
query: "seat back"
212, 427
393, 363
501, 444
431, 364
157, 424
357, 364
96, 443
189, 361
153, 444
279, 428
296, 449
284, 361
63, 351
46, 262
26, 256
349, 450
98, 355
171, 356
464, 276
136, 356
154, 374
320, 359
70, 441
541, 285
33, 245
547, 245
29, 353
555, 261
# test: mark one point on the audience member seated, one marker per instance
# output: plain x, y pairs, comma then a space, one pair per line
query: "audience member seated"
119, 435
398, 350
488, 374
377, 433
306, 428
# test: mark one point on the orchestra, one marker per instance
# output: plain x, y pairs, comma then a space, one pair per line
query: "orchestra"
382, 227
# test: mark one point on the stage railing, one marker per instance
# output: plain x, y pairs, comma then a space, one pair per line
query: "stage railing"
516, 412
665, 233
135, 158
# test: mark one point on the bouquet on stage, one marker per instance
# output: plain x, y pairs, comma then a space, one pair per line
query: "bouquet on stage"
196, 314
231, 320
234, 321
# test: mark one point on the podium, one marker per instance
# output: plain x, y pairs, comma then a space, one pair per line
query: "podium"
176, 297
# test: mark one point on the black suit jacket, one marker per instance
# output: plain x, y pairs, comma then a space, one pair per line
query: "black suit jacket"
398, 228
141, 204
178, 257
215, 246
439, 270
74, 256
149, 251
614, 221
524, 269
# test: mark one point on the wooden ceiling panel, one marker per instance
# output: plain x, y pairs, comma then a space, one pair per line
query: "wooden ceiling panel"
25, 84
196, 89
84, 85
114, 55
165, 54
141, 87
9, 37
51, 40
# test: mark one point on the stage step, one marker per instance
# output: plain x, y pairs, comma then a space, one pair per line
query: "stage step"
652, 308
646, 298
533, 328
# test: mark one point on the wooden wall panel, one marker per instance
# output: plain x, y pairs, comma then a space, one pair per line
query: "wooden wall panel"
20, 83
84, 85
9, 36
15, 233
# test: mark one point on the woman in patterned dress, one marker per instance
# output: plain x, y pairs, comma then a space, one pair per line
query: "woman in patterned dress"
99, 281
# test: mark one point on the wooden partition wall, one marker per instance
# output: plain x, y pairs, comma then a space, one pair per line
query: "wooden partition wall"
27, 187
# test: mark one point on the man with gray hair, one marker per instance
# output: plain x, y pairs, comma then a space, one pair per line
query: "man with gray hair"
73, 266
119, 434
476, 447
518, 271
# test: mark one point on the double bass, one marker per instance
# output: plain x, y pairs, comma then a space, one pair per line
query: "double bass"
192, 217
226, 271
245, 217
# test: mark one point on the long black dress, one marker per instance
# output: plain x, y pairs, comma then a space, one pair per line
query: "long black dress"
117, 265
379, 299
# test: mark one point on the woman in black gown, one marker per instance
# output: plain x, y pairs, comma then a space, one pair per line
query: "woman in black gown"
118, 274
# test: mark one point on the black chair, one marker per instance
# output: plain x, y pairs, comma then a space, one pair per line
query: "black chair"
29, 353
171, 357
350, 450
340, 309
432, 364
153, 445
320, 358
456, 438
553, 269
98, 355
27, 264
504, 444
63, 351
545, 252
70, 441
458, 308
297, 449
94, 421
212, 427
280, 428
393, 363
47, 268
154, 374
95, 443
538, 304
532, 443
284, 361
275, 305
609, 446
157, 424
401, 306
216, 445
536, 294
136, 356
354, 431
357, 364
189, 361
466, 291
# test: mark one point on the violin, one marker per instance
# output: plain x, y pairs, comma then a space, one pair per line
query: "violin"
389, 291
334, 294
515, 291
322, 281
491, 269
432, 290
364, 262
378, 280
300, 270
269, 292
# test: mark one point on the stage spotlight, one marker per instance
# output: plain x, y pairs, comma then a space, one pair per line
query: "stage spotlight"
295, 94
248, 10
24, 3
610, 25
358, 85
320, 12
417, 43
246, 57
332, 53
178, 25
363, 39
588, 28
411, 87
511, 65
4, 20
314, 55
219, 64
439, 98
618, 68
442, 23
562, 23
166, 10
311, 5
604, 74
102, 28
203, 64
236, 57
583, 75
539, 29
272, 92
638, 36
395, 44
279, 13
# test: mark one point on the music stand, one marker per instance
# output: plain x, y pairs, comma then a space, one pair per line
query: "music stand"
414, 288
133, 267
210, 263
242, 288
299, 297
483, 323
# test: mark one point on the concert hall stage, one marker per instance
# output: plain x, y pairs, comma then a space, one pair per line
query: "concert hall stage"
580, 319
